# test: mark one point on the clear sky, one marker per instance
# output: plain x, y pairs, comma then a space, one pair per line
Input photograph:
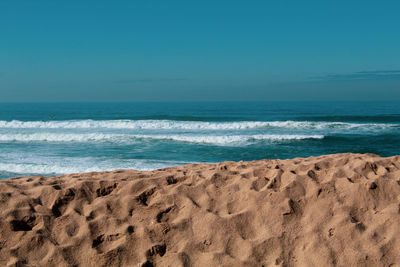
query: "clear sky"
199, 50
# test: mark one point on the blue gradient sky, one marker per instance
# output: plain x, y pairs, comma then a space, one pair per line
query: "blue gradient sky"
205, 51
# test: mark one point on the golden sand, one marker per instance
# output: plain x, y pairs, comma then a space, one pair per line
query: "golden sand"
333, 210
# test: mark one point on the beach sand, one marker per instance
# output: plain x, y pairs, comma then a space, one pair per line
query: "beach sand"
333, 210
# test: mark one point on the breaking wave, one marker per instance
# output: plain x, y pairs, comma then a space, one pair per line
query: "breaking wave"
131, 138
57, 168
189, 125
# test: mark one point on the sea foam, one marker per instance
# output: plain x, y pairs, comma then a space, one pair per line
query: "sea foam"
133, 138
56, 168
188, 125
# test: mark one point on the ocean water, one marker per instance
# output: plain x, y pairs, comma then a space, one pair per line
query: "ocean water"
51, 139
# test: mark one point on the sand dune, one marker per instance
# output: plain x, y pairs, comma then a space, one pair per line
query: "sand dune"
334, 210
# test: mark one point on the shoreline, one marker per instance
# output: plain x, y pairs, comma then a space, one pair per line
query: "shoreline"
338, 209
193, 164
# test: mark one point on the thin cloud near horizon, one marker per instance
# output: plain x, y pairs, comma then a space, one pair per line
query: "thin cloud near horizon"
362, 75
128, 81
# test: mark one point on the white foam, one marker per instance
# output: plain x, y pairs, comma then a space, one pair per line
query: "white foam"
132, 138
328, 125
223, 140
53, 168
186, 125
60, 137
132, 124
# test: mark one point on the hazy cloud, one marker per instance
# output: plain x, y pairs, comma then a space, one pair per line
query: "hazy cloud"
362, 75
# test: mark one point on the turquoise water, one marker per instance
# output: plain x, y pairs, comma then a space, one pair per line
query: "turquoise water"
51, 139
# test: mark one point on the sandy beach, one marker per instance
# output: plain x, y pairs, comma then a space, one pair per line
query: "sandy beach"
333, 210
199, 133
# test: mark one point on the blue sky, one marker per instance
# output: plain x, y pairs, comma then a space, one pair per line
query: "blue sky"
203, 50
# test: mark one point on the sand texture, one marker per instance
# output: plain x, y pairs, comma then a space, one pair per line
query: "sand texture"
334, 210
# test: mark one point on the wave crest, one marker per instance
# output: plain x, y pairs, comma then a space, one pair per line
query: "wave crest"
187, 125
131, 138
81, 166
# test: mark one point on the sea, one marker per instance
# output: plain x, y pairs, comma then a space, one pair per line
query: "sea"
50, 139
